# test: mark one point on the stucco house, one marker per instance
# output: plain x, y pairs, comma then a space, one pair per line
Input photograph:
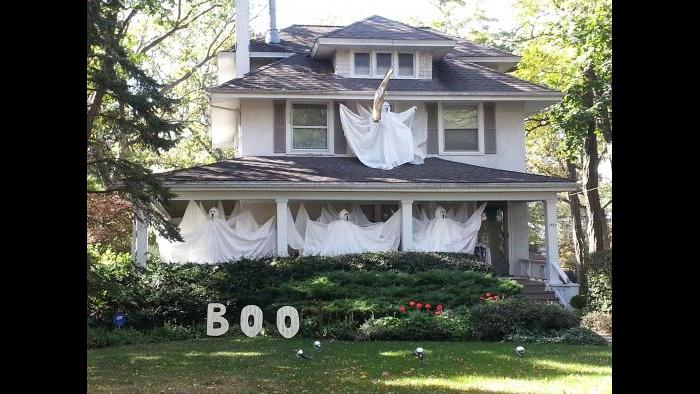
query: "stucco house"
264, 84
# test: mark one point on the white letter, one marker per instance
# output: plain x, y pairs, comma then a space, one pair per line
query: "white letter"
293, 328
215, 313
251, 310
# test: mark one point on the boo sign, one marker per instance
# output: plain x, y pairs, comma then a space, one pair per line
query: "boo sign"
215, 314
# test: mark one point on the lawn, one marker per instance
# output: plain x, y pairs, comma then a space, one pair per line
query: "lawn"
249, 365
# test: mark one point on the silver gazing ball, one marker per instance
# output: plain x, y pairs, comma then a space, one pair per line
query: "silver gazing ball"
419, 353
520, 350
300, 353
317, 345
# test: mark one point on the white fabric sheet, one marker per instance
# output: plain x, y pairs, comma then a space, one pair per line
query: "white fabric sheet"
385, 144
444, 234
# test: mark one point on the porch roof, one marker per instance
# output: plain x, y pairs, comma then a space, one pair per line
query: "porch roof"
304, 172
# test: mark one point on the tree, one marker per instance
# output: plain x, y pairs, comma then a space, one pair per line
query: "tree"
125, 108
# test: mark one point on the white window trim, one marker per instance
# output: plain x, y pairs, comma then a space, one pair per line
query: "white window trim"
329, 128
441, 132
394, 64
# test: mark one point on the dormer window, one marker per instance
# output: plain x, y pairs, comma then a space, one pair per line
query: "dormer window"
374, 64
362, 64
406, 66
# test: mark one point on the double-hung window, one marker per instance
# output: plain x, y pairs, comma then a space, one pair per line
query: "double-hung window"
362, 64
310, 127
461, 127
406, 65
383, 63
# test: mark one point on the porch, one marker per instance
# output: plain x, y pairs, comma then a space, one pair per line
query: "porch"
504, 228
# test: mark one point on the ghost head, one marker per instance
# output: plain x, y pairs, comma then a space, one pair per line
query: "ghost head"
343, 215
440, 213
386, 107
213, 213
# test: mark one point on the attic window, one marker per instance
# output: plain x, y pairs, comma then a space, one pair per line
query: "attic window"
406, 68
383, 63
361, 63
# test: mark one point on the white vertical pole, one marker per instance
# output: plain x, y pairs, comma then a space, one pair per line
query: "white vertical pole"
141, 241
282, 227
406, 225
242, 38
552, 236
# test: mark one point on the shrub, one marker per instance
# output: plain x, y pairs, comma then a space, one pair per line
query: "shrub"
570, 336
597, 281
371, 283
578, 301
102, 336
344, 330
417, 326
496, 320
598, 321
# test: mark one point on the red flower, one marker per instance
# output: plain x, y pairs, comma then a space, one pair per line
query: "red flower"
488, 294
411, 304
481, 298
439, 307
427, 307
402, 309
419, 305
495, 298
438, 313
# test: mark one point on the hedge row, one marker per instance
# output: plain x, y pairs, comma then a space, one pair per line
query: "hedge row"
597, 281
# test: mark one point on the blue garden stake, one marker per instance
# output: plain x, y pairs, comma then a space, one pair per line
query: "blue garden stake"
119, 320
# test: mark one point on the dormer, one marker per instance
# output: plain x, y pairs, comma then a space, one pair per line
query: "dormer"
368, 48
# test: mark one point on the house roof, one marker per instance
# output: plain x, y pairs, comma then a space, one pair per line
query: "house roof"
300, 38
305, 171
379, 27
302, 74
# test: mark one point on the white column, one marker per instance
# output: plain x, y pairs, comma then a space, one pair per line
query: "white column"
141, 241
282, 227
407, 225
517, 235
552, 237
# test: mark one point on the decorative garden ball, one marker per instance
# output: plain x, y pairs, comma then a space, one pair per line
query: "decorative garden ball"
300, 354
520, 350
317, 345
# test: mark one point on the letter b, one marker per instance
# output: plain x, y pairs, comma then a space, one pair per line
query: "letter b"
215, 313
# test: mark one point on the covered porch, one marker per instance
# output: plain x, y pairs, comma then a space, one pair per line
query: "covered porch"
504, 227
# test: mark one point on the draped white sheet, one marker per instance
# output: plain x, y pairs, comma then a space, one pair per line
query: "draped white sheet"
444, 234
342, 236
386, 144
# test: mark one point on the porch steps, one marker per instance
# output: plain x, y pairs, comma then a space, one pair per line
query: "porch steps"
535, 290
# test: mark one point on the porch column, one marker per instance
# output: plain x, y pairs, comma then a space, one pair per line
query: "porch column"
141, 245
282, 227
552, 237
406, 225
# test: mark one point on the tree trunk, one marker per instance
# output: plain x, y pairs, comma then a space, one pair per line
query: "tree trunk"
578, 235
597, 225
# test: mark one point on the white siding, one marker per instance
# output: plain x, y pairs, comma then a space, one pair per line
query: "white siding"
342, 62
425, 66
256, 126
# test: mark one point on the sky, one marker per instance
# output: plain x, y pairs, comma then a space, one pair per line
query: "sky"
341, 12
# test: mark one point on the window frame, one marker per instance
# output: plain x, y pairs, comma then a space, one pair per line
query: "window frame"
329, 128
480, 133
352, 64
415, 54
374, 68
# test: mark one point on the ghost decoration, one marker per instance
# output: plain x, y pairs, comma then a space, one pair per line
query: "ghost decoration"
445, 234
383, 139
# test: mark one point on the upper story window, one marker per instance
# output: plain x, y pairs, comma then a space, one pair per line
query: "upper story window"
309, 126
462, 131
374, 64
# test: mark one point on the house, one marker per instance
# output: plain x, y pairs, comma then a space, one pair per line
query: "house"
277, 104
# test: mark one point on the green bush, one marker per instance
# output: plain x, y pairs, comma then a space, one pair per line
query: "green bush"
494, 321
598, 321
416, 326
178, 294
578, 301
570, 336
597, 281
102, 336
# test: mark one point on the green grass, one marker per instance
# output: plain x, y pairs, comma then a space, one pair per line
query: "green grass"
250, 365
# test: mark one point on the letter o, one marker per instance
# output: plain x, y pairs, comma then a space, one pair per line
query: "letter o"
247, 311
282, 313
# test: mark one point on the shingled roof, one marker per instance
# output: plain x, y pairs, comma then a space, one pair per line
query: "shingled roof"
379, 27
300, 73
305, 171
